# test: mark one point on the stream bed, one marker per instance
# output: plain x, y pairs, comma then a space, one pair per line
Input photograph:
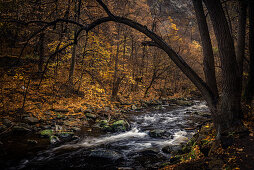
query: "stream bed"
142, 147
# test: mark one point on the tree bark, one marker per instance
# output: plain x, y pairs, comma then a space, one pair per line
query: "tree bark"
208, 61
116, 80
240, 48
249, 90
229, 108
41, 53
74, 48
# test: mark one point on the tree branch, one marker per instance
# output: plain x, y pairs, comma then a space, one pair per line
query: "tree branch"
177, 59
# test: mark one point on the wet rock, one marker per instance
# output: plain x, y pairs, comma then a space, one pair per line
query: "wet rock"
20, 130
2, 128
159, 107
7, 122
76, 129
157, 133
65, 135
32, 142
105, 155
46, 127
133, 107
167, 149
91, 116
171, 149
184, 103
120, 126
46, 133
103, 123
54, 139
31, 120
107, 128
148, 157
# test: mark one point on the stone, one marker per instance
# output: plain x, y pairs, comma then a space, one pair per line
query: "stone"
157, 133
2, 128
91, 116
7, 122
31, 120
54, 139
159, 107
183, 103
76, 129
65, 135
120, 126
133, 107
103, 154
32, 142
46, 127
46, 133
20, 129
167, 149
103, 123
171, 149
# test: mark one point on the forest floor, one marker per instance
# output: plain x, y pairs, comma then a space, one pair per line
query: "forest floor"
205, 153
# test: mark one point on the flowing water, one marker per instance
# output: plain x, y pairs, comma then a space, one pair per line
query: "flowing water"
131, 149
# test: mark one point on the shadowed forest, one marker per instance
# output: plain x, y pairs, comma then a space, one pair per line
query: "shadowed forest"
121, 84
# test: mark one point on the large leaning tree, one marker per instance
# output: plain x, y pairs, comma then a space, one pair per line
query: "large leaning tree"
225, 107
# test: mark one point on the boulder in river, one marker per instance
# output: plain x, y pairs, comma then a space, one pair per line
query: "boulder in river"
158, 133
46, 133
20, 129
104, 155
169, 149
120, 126
54, 139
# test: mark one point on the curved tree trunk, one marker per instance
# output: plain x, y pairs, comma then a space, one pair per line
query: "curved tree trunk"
227, 111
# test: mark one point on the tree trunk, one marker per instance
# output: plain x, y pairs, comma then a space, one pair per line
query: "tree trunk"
208, 61
41, 53
240, 48
249, 90
74, 48
228, 111
116, 81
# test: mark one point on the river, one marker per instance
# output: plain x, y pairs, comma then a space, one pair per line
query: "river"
139, 148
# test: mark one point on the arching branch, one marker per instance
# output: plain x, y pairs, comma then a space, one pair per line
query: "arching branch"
177, 59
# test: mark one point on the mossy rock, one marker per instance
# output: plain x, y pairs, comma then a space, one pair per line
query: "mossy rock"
103, 123
120, 126
46, 133
107, 128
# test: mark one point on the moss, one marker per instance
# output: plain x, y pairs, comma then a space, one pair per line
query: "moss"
47, 132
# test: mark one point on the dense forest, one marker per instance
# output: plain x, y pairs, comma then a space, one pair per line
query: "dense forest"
95, 84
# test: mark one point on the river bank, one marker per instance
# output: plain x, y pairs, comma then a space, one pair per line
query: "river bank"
138, 117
